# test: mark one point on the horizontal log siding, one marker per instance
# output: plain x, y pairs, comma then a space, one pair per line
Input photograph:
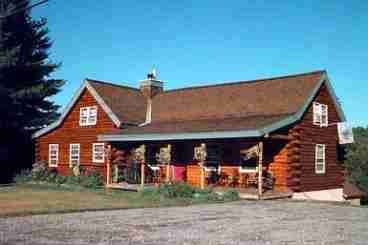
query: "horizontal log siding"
70, 132
303, 177
194, 175
278, 165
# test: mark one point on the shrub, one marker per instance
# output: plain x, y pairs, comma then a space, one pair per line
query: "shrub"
39, 171
175, 190
59, 180
213, 196
363, 183
91, 180
72, 180
51, 176
231, 195
23, 177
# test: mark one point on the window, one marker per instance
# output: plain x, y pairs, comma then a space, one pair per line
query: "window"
88, 116
92, 117
98, 152
320, 114
249, 160
53, 155
74, 155
320, 163
248, 165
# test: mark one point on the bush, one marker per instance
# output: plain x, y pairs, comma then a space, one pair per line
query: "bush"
91, 180
59, 180
51, 176
363, 183
231, 195
23, 177
175, 190
39, 171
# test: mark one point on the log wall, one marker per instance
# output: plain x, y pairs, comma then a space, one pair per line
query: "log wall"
70, 132
301, 162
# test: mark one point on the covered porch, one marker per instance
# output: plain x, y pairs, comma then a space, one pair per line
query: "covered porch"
252, 166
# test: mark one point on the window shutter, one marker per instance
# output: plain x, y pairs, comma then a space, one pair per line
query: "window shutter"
324, 113
92, 117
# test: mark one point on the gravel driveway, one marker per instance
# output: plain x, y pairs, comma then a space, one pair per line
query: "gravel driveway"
244, 222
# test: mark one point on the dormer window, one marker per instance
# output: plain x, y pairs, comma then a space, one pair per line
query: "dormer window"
88, 116
320, 114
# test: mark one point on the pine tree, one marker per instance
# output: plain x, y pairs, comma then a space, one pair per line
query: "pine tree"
25, 68
25, 84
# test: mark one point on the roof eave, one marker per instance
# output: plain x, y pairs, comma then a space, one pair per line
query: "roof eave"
180, 136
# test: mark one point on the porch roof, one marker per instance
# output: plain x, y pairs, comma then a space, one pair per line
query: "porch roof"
242, 127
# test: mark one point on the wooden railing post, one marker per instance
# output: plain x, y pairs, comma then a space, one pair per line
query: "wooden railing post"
202, 175
108, 165
167, 172
142, 174
260, 169
168, 167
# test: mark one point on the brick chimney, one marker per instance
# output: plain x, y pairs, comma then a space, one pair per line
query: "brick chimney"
150, 87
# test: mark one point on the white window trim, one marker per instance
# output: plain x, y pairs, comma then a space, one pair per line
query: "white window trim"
56, 155
88, 110
70, 154
320, 111
93, 153
323, 171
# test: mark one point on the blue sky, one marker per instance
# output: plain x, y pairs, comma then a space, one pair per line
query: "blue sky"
204, 42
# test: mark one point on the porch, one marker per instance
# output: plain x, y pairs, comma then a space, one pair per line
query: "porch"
254, 167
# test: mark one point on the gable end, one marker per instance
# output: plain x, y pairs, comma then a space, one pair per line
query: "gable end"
296, 117
70, 105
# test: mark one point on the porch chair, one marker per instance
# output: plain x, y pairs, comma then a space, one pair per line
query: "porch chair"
252, 179
156, 170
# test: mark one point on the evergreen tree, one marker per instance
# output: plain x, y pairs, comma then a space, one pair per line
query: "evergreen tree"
356, 162
25, 83
25, 68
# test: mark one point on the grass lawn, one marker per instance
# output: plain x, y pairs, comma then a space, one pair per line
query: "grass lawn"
22, 200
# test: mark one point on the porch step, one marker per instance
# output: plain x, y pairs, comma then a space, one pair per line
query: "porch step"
266, 196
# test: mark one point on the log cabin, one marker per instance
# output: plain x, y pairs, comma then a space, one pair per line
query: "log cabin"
281, 127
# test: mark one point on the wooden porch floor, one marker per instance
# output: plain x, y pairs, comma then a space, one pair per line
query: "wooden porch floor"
249, 193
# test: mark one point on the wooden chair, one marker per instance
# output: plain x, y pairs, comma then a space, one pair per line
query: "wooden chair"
252, 179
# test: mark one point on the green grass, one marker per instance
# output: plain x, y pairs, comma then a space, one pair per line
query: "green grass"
30, 199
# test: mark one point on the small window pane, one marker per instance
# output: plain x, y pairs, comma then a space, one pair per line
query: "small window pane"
74, 155
53, 155
320, 160
98, 152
